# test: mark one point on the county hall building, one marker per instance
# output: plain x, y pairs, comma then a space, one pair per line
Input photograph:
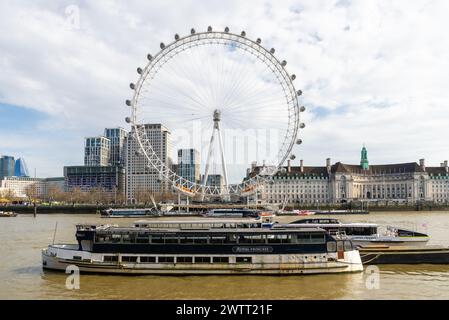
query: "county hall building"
342, 183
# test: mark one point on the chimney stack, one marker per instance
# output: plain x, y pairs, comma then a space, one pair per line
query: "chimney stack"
446, 166
301, 164
328, 165
422, 164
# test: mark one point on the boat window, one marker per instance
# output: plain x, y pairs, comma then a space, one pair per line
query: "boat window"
187, 240
171, 239
116, 238
200, 240
303, 238
331, 246
243, 260
257, 239
285, 238
318, 238
217, 239
110, 259
220, 259
202, 259
147, 259
272, 238
359, 231
184, 259
348, 246
99, 238
232, 238
143, 239
166, 259
157, 239
77, 258
127, 238
129, 259
244, 239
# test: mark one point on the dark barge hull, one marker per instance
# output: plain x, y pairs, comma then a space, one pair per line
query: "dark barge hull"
404, 255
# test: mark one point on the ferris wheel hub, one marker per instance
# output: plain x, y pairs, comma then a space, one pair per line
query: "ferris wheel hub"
217, 115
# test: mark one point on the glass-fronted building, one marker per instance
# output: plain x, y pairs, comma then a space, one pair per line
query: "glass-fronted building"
96, 151
7, 164
117, 138
189, 164
107, 178
20, 168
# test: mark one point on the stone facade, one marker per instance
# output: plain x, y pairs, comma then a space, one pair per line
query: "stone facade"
342, 183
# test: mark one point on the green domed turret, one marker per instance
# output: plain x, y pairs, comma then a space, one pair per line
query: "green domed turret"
364, 163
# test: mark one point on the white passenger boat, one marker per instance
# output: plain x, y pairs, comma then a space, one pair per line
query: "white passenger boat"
362, 234
232, 213
129, 213
203, 247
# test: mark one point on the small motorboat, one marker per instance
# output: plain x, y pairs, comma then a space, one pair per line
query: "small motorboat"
304, 212
7, 214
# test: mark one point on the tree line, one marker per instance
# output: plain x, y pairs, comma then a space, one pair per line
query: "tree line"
92, 196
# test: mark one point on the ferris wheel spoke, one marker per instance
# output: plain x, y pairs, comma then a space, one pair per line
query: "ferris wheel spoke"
190, 95
255, 104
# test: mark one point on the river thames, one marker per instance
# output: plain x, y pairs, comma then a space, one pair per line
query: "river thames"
22, 277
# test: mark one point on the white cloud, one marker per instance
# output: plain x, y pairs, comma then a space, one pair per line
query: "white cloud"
371, 71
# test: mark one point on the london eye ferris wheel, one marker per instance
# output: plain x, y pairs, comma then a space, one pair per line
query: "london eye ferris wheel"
222, 93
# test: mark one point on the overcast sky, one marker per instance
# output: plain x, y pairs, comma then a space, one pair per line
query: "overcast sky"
373, 72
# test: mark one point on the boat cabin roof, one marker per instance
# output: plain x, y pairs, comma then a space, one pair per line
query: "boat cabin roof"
202, 221
116, 229
200, 224
316, 220
327, 225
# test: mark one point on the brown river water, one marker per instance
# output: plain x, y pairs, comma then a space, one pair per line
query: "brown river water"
22, 277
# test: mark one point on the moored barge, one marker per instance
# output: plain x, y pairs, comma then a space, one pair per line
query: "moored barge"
209, 247
404, 255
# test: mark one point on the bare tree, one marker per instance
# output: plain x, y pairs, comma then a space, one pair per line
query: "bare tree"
143, 196
8, 194
120, 198
99, 196
74, 195
54, 194
32, 193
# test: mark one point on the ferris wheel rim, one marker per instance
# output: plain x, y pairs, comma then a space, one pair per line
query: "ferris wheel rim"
286, 82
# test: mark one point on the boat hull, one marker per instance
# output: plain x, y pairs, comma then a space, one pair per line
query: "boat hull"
61, 259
